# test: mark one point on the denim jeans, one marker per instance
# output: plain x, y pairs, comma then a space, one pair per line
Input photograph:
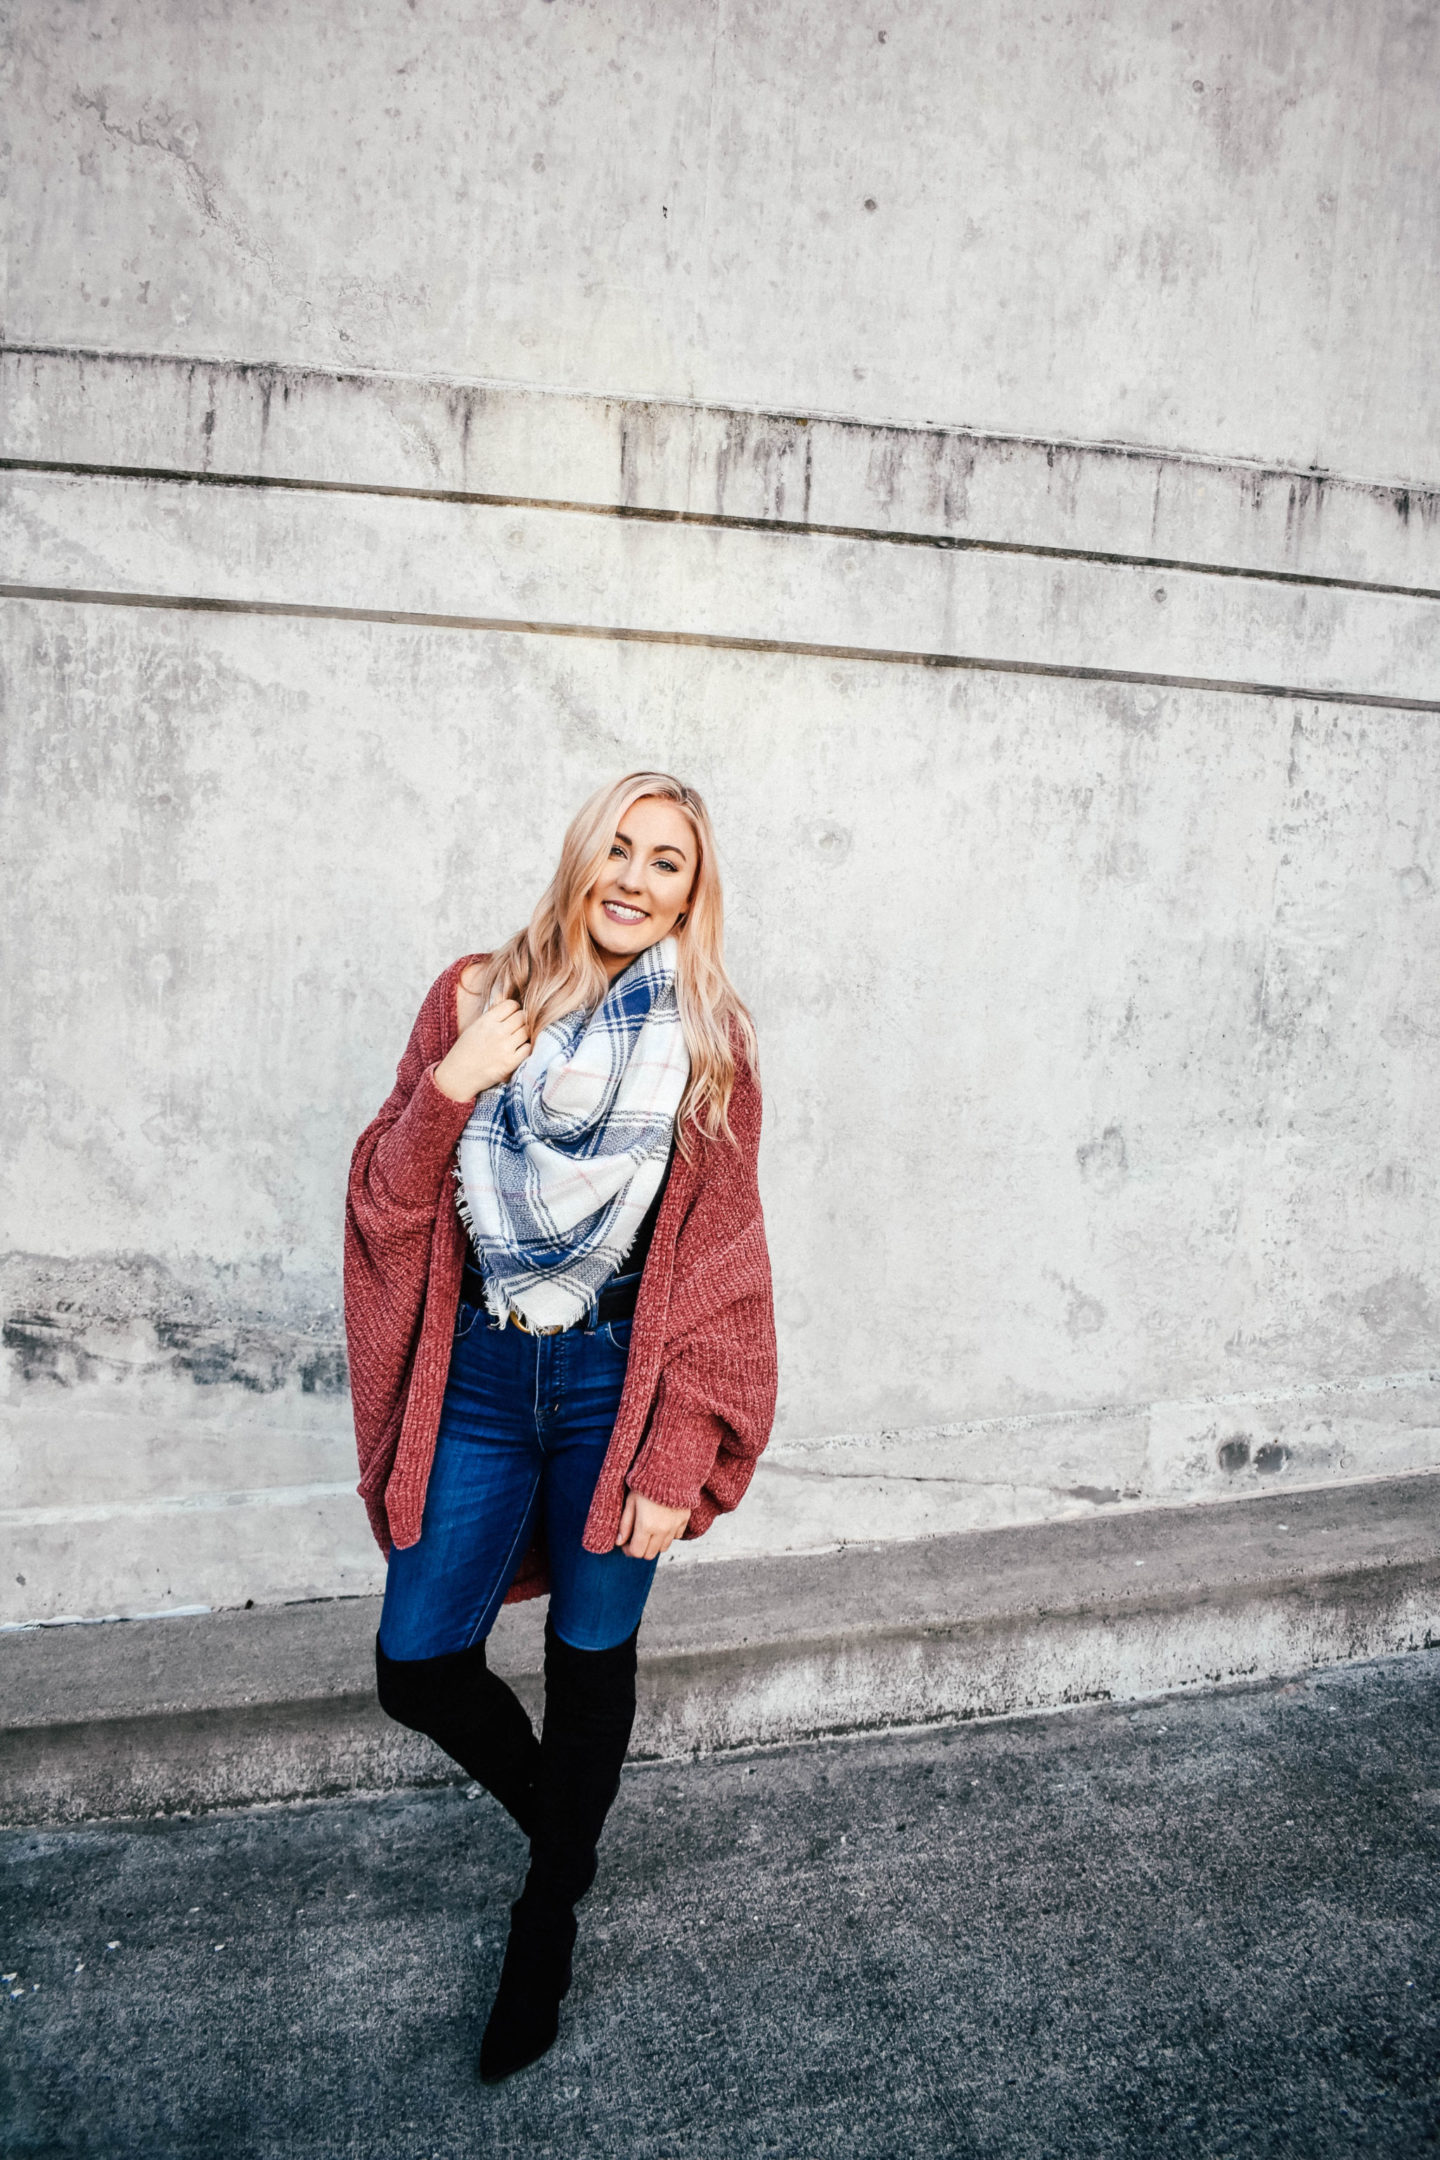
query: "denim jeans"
523, 1432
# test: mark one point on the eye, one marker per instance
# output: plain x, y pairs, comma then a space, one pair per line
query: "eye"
618, 850
667, 866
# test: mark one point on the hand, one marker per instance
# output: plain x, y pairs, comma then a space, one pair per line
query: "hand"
493, 1046
647, 1529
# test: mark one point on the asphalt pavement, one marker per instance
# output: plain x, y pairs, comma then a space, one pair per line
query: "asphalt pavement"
1205, 1925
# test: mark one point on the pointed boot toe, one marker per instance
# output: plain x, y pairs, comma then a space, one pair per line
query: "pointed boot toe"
516, 2036
534, 1980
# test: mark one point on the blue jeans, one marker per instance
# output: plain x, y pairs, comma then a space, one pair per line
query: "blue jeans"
523, 1432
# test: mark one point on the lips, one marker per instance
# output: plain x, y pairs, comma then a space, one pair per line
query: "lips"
618, 912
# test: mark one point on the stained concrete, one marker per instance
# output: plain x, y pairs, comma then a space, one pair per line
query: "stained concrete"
227, 423
1198, 1928
171, 1715
1205, 228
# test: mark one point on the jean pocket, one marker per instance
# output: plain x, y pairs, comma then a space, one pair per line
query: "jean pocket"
617, 1333
466, 1316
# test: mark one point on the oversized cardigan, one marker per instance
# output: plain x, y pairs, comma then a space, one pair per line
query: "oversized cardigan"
699, 1395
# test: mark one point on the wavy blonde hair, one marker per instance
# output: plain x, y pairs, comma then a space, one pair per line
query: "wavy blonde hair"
553, 968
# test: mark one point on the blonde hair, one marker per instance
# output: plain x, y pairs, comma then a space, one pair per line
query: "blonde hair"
553, 968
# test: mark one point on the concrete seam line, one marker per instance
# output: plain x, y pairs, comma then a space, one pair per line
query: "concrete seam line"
951, 543
711, 641
1127, 452
202, 1503
1040, 1420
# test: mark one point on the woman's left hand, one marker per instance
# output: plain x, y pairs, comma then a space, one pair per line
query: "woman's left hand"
647, 1529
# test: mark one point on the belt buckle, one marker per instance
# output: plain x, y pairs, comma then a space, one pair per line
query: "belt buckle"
516, 1320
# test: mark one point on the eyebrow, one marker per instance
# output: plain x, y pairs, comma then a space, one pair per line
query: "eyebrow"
663, 848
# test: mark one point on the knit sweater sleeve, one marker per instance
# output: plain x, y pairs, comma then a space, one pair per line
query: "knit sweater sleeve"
715, 1400
401, 1158
398, 1175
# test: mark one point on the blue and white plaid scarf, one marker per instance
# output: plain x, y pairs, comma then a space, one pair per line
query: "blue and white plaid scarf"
558, 1165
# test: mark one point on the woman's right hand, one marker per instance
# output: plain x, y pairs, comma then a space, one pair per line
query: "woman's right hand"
487, 1051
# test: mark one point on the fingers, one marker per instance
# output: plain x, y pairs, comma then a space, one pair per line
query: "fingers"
504, 1023
636, 1541
650, 1544
505, 1018
647, 1531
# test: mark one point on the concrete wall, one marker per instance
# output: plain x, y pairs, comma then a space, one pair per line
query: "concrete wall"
1200, 226
1078, 802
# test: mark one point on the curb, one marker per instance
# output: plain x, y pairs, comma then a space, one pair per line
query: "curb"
175, 1715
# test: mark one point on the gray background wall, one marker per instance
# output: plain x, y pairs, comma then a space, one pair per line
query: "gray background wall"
1036, 568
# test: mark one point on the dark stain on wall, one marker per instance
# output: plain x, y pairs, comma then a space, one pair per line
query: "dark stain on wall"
714, 460
763, 465
111, 1318
1103, 1161
1238, 1453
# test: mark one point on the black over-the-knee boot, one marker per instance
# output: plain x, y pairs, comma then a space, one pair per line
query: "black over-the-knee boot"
589, 1710
459, 1702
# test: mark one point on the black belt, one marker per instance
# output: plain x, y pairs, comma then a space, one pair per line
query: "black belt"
616, 1302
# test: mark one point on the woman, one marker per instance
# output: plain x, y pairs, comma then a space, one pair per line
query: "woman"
562, 1347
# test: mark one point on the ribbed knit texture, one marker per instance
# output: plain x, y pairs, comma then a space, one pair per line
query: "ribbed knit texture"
699, 1394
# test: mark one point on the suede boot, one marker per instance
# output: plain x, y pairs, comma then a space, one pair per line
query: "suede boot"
589, 1711
460, 1703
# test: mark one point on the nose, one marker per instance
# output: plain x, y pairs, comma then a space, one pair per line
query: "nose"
631, 878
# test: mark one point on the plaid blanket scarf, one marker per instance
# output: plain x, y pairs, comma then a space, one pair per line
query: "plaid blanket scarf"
558, 1165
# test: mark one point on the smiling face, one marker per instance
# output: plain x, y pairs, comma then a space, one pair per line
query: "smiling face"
641, 893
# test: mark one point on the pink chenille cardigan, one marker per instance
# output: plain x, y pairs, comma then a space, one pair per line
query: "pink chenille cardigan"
699, 1394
